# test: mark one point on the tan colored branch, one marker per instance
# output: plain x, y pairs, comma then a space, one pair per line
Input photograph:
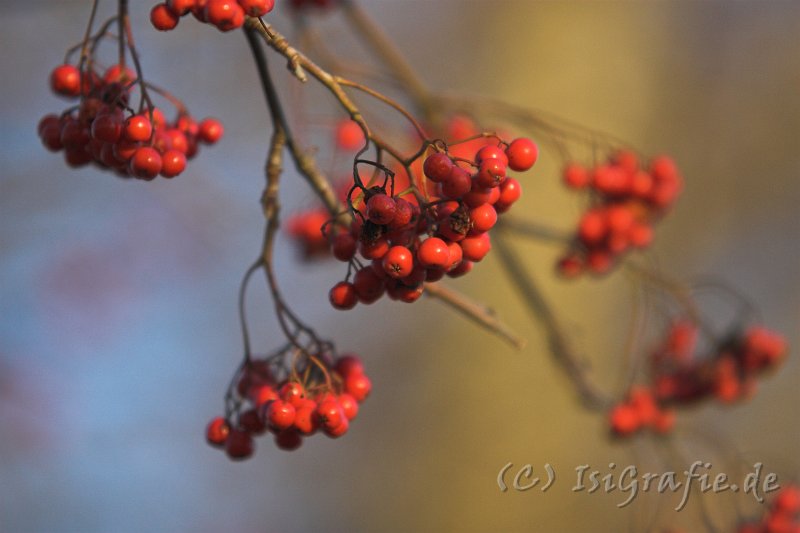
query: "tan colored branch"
478, 313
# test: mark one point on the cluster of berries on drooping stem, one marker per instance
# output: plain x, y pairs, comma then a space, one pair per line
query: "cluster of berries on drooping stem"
292, 400
225, 15
626, 201
103, 129
782, 516
435, 228
681, 376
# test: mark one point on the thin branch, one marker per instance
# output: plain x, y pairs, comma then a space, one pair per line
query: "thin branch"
390, 56
305, 162
478, 313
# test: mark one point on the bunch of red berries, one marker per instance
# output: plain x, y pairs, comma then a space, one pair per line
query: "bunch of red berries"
307, 400
679, 378
626, 201
638, 411
226, 15
729, 373
413, 238
102, 129
783, 515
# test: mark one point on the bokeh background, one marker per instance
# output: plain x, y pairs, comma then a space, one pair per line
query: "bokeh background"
118, 327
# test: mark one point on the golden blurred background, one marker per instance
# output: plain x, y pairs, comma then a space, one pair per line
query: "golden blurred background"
119, 327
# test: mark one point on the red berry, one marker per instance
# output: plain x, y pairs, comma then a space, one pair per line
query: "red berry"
261, 394
522, 154
349, 365
211, 130
475, 248
483, 218
358, 386
398, 262
257, 8
433, 252
374, 250
65, 80
138, 128
226, 15
510, 192
457, 183
107, 127
51, 136
349, 135
217, 431
369, 286
349, 405
437, 167
306, 420
288, 440
162, 18
402, 215
280, 414
623, 420
381, 209
294, 393
339, 430
343, 295
145, 163
239, 445
456, 256
491, 152
173, 162
491, 173
575, 176
330, 414
344, 247
592, 228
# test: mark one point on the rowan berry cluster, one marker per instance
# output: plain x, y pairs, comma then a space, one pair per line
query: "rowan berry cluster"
680, 376
626, 201
729, 373
638, 411
412, 238
104, 130
306, 400
783, 515
225, 15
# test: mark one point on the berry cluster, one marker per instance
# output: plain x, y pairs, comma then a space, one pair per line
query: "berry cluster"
783, 515
102, 129
626, 201
225, 15
638, 411
305, 401
414, 238
680, 377
729, 373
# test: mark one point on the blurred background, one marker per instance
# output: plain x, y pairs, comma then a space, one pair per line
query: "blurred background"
118, 325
